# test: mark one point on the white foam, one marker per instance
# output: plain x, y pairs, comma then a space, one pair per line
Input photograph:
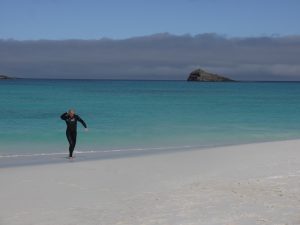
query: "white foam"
103, 151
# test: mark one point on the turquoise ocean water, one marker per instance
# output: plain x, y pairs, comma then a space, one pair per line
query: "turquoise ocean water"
144, 115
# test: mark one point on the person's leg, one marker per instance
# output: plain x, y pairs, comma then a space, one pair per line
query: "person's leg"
73, 137
70, 140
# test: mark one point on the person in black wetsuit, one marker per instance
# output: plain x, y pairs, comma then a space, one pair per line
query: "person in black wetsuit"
71, 120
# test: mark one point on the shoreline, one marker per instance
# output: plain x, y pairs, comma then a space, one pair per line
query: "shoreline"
45, 158
244, 184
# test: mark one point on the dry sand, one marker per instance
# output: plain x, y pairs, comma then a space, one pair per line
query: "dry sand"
246, 184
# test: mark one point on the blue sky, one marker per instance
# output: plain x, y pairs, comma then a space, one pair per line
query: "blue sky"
119, 19
150, 39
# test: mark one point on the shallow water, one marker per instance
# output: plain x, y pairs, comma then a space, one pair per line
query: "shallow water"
144, 114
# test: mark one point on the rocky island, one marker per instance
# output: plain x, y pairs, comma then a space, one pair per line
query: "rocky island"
203, 76
4, 77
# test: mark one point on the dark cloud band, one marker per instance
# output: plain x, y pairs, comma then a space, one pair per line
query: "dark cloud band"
160, 56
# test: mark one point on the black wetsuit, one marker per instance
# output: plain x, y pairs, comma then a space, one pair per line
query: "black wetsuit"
71, 131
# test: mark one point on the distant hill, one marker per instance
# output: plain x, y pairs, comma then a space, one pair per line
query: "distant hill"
203, 76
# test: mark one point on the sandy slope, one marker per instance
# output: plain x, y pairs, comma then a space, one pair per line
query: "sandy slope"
247, 184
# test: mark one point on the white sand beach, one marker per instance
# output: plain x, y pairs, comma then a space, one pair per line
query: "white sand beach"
246, 184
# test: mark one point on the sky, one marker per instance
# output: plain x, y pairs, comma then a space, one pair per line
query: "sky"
202, 32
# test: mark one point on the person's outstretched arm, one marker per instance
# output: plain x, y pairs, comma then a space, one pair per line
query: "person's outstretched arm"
64, 116
81, 121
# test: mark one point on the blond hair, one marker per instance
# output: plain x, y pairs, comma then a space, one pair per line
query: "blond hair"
71, 111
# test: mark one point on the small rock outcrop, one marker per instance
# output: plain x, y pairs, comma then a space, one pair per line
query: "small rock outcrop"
4, 77
203, 76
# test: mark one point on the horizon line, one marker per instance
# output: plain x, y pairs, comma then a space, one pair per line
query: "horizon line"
104, 79
159, 34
